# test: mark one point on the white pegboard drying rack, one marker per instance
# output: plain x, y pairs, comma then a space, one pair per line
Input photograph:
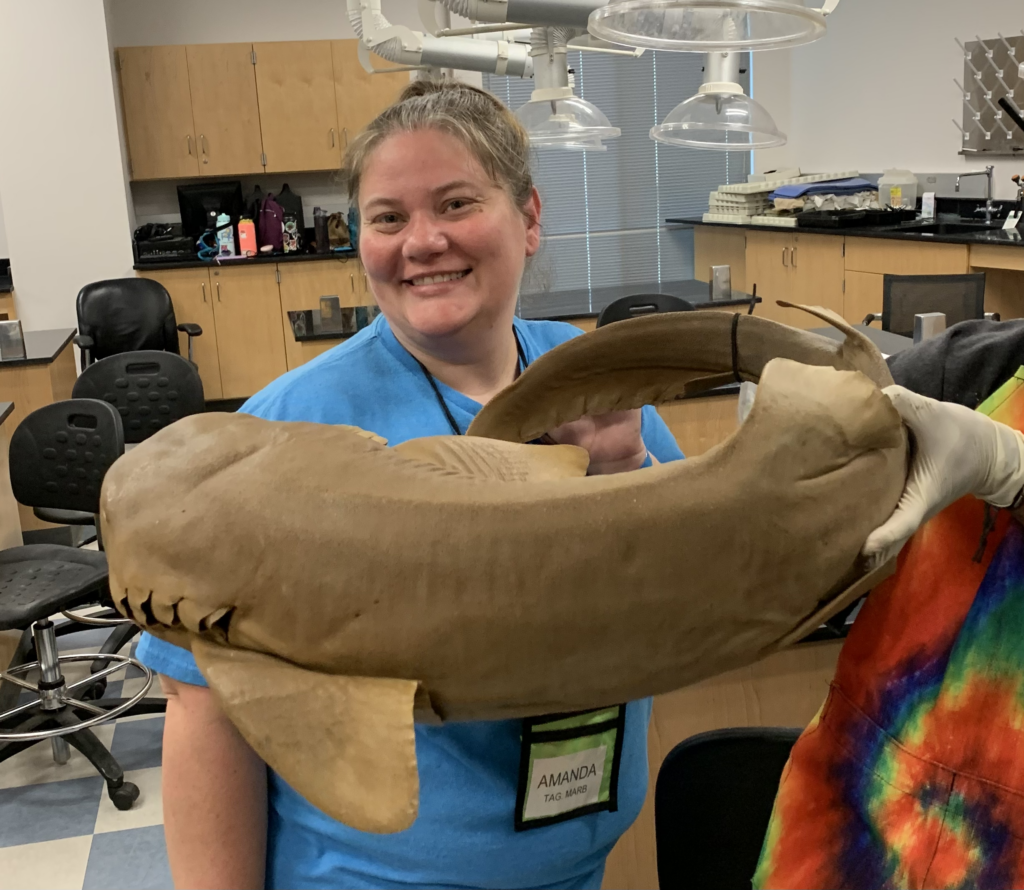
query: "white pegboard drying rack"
992, 71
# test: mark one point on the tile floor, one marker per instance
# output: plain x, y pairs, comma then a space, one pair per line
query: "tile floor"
58, 828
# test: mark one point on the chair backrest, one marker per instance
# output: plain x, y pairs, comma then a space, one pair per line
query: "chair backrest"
125, 315
641, 304
960, 297
712, 803
60, 453
150, 390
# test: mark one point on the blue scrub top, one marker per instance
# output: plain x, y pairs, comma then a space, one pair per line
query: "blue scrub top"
463, 836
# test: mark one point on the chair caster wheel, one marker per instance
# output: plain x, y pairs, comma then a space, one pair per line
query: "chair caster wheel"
124, 795
95, 692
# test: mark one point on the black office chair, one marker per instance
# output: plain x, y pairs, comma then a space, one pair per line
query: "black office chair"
712, 803
641, 304
959, 297
150, 390
59, 454
126, 315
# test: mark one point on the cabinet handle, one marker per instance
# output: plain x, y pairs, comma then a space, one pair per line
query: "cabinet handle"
344, 135
332, 137
202, 284
784, 263
188, 139
792, 257
218, 291
352, 281
366, 284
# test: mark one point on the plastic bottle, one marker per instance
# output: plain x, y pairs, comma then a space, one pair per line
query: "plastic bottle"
246, 237
225, 236
897, 188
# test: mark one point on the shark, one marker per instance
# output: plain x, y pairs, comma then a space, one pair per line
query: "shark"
335, 590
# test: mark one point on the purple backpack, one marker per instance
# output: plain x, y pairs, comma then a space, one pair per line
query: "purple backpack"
270, 224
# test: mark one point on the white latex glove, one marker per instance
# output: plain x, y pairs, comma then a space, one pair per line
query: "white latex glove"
957, 452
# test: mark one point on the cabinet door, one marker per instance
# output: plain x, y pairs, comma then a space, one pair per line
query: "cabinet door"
250, 334
302, 286
863, 295
720, 246
193, 302
224, 108
361, 96
816, 270
158, 112
298, 114
768, 267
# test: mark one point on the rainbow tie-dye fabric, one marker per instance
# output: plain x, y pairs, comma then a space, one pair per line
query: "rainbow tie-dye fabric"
912, 773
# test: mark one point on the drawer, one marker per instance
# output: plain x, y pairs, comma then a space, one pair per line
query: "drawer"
904, 258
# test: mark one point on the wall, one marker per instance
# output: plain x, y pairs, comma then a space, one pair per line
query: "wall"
62, 178
877, 91
3, 234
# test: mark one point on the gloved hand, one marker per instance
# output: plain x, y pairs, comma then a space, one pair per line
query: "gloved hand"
956, 452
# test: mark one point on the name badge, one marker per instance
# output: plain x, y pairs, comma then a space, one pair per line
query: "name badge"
569, 766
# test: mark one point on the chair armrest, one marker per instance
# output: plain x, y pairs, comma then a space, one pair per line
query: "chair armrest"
83, 341
193, 330
870, 317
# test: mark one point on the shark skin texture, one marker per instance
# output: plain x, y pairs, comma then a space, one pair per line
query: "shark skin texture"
334, 590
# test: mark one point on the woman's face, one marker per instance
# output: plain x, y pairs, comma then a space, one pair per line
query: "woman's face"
443, 246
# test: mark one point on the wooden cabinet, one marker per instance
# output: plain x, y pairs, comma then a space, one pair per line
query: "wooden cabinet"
225, 109
720, 246
8, 309
881, 255
360, 96
250, 332
298, 111
798, 268
158, 112
192, 297
816, 266
302, 286
240, 108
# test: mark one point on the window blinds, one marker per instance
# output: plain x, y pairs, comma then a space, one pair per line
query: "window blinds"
604, 212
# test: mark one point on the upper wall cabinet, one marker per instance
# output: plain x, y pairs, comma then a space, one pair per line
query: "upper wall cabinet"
298, 113
361, 96
158, 112
225, 110
235, 108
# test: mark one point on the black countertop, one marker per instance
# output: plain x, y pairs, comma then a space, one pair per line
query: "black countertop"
5, 410
566, 304
41, 347
991, 236
239, 262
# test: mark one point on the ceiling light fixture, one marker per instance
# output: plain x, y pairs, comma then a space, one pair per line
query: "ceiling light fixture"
710, 25
720, 117
555, 117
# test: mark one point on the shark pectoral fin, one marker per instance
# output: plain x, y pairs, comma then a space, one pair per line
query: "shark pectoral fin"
835, 603
497, 460
346, 744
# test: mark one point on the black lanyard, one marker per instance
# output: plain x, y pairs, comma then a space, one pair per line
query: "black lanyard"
440, 398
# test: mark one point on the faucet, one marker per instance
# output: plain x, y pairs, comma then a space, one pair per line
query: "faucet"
990, 207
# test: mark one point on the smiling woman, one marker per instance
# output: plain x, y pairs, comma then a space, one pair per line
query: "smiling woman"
449, 216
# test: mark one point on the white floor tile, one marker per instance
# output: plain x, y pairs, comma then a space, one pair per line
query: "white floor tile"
35, 765
147, 810
51, 865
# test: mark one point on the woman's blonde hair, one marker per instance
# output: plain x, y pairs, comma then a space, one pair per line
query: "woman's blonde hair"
474, 117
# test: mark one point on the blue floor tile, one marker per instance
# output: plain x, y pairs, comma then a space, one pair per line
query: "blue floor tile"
138, 744
49, 811
134, 858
